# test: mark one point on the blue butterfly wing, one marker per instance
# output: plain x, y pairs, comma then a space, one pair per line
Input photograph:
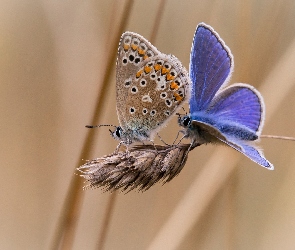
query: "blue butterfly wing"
211, 64
251, 152
233, 116
248, 150
238, 111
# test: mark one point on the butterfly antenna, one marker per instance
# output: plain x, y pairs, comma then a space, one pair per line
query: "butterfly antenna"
97, 126
184, 110
278, 137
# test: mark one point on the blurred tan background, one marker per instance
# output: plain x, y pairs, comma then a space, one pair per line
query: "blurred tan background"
52, 59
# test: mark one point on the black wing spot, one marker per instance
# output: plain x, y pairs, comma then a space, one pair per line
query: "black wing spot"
131, 58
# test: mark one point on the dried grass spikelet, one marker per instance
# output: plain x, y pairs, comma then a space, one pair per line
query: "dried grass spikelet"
140, 167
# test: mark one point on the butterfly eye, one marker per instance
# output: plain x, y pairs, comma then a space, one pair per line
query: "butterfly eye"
185, 121
118, 132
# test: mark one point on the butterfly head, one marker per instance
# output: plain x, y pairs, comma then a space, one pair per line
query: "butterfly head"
118, 133
128, 136
184, 121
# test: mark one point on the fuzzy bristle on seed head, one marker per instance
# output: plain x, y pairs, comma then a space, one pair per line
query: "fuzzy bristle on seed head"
139, 168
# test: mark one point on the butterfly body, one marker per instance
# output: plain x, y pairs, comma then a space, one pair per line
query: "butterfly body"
232, 116
150, 86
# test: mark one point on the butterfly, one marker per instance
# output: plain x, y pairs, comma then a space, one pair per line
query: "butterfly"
150, 87
233, 115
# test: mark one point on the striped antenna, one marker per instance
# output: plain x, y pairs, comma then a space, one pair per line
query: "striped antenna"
97, 126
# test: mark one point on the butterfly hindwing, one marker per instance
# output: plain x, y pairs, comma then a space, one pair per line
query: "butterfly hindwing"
251, 152
158, 89
248, 150
239, 105
150, 88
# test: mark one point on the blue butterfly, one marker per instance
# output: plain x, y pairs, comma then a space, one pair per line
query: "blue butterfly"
234, 115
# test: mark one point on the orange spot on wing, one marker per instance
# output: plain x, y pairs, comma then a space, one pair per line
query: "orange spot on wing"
126, 46
169, 77
173, 85
177, 97
140, 51
157, 67
138, 74
164, 71
147, 69
134, 47
145, 57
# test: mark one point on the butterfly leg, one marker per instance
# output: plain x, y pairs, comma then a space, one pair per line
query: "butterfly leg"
193, 145
180, 138
162, 140
118, 147
154, 146
177, 138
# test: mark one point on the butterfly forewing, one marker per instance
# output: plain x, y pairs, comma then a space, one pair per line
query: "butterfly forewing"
134, 50
211, 64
